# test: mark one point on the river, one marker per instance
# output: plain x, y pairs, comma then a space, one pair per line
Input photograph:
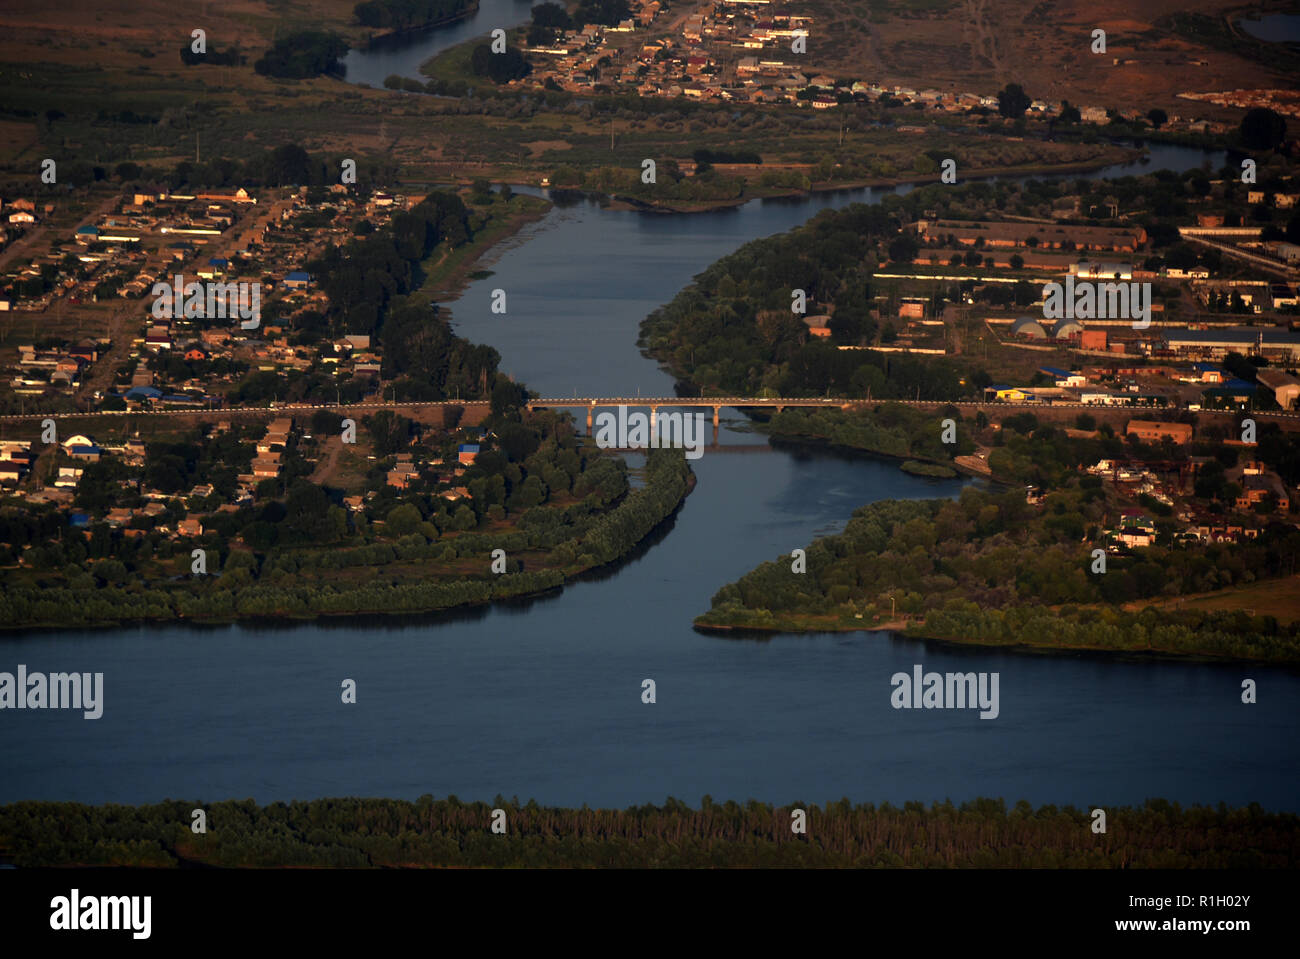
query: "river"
543, 699
402, 54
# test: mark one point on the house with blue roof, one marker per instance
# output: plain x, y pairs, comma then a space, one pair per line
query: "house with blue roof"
1209, 372
1062, 377
297, 280
467, 453
1234, 393
90, 454
144, 394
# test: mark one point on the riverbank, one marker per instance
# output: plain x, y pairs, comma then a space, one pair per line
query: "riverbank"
625, 202
402, 33
988, 569
896, 442
916, 629
449, 276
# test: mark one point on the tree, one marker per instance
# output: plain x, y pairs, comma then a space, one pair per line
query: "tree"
500, 67
1157, 117
389, 432
551, 15
507, 397
1013, 101
1017, 261
1070, 114
288, 165
605, 12
903, 249
402, 520
1262, 129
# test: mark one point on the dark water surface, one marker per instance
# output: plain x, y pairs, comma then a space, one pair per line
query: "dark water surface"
542, 700
402, 54
1275, 27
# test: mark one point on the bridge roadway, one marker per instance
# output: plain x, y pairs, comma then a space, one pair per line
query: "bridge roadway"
716, 403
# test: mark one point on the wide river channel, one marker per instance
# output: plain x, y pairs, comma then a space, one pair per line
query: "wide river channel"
543, 700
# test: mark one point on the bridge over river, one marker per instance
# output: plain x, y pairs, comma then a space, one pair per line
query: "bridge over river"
477, 410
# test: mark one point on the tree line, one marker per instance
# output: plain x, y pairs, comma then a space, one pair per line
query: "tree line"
449, 833
406, 14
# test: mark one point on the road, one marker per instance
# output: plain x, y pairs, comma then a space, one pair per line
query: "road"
724, 402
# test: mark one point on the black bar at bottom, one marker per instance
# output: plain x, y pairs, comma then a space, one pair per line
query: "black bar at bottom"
674, 908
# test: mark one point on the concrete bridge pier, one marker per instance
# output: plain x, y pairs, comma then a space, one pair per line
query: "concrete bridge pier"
590, 410
653, 412
716, 410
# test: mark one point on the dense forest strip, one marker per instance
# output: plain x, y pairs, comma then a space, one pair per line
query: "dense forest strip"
387, 833
400, 16
890, 429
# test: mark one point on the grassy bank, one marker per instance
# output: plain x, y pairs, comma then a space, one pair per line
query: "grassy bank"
450, 272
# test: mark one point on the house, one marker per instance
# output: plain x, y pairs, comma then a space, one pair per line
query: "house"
119, 517
1009, 394
402, 476
1257, 489
89, 454
189, 527
77, 439
1234, 391
1284, 387
1208, 373
1063, 378
1092, 340
467, 453
297, 280
143, 394
1086, 270
266, 466
1153, 431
